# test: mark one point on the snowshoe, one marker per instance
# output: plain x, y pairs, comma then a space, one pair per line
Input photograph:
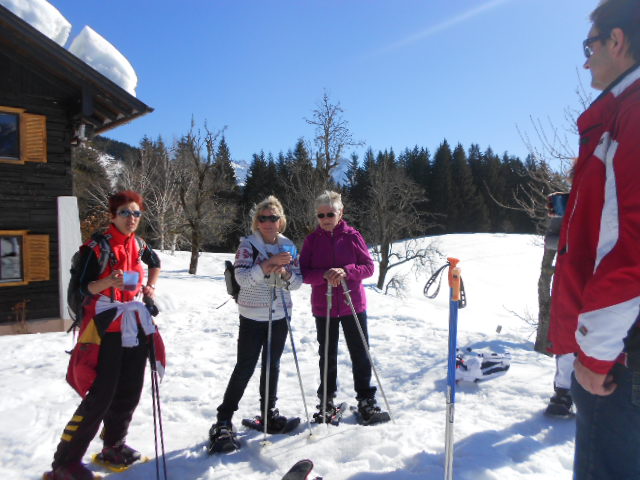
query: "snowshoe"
560, 405
74, 471
333, 414
222, 438
300, 471
472, 366
368, 412
118, 458
276, 423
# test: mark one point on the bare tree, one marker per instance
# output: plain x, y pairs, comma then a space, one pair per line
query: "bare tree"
332, 137
390, 215
195, 157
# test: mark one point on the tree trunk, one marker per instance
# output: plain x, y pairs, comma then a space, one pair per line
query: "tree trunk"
195, 252
384, 264
544, 302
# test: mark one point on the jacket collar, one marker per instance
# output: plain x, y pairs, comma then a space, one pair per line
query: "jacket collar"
117, 237
341, 227
604, 105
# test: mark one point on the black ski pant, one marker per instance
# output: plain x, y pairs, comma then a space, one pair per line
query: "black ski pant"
360, 365
112, 399
252, 339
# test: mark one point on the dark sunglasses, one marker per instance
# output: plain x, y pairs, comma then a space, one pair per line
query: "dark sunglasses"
586, 45
129, 213
268, 218
328, 215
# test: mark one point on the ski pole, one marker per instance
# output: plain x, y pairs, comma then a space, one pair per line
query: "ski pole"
455, 297
157, 412
295, 358
272, 292
364, 342
326, 353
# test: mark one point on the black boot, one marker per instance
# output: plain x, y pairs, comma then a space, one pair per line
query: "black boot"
222, 438
560, 405
370, 412
330, 412
276, 423
119, 455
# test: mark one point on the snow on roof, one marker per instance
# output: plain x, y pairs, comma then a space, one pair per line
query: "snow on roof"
88, 46
42, 16
97, 52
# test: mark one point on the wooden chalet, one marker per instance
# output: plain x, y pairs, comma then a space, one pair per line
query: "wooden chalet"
50, 100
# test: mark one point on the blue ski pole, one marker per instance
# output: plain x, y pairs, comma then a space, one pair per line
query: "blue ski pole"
454, 288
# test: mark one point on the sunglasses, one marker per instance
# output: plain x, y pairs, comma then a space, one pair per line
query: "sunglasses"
328, 215
268, 218
586, 45
130, 213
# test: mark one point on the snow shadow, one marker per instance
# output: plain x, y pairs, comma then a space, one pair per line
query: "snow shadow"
194, 462
485, 451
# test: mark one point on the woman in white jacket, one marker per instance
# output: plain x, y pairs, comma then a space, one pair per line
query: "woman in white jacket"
263, 260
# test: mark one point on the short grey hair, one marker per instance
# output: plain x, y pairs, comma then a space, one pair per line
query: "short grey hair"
331, 199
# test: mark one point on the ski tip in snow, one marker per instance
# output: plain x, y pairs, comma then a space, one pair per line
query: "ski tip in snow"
299, 471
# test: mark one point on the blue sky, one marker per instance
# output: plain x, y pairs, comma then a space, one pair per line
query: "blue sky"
406, 72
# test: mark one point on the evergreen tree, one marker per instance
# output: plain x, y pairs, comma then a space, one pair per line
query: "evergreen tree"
441, 184
223, 168
468, 212
259, 182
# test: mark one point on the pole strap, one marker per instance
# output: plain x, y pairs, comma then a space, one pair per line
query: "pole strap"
462, 302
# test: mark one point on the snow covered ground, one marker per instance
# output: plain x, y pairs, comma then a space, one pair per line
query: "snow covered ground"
500, 431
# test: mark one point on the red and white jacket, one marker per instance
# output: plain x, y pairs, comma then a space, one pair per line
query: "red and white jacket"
596, 290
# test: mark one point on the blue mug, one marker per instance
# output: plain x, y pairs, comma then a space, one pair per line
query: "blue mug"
559, 203
291, 249
130, 280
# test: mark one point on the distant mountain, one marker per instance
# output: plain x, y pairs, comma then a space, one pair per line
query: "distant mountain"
339, 172
242, 169
118, 150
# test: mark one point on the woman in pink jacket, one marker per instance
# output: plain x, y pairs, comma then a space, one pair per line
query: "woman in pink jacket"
334, 252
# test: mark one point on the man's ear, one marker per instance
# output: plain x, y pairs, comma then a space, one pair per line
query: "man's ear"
619, 42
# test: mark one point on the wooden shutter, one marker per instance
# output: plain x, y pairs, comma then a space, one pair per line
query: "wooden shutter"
33, 137
36, 258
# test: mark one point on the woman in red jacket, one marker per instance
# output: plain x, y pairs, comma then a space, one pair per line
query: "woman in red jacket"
116, 325
334, 252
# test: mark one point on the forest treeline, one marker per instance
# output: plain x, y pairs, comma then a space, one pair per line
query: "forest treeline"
195, 202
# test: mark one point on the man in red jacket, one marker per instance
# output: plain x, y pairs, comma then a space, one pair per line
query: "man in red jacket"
596, 291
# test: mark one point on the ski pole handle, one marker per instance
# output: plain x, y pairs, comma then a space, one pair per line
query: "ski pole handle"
454, 278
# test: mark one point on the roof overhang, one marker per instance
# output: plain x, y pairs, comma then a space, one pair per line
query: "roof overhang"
101, 104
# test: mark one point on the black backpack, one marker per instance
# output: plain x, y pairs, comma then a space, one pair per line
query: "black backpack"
75, 298
233, 288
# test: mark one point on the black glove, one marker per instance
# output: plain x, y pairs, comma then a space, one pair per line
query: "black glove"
151, 306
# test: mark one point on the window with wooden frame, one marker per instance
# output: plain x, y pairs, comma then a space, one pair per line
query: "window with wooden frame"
24, 258
23, 136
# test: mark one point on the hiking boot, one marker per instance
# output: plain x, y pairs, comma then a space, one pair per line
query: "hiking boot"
330, 412
72, 471
275, 421
119, 454
560, 405
370, 412
222, 439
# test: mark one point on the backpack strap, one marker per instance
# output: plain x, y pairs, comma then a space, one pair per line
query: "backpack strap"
142, 245
255, 252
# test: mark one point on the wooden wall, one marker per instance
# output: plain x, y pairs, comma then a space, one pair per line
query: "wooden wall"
28, 193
